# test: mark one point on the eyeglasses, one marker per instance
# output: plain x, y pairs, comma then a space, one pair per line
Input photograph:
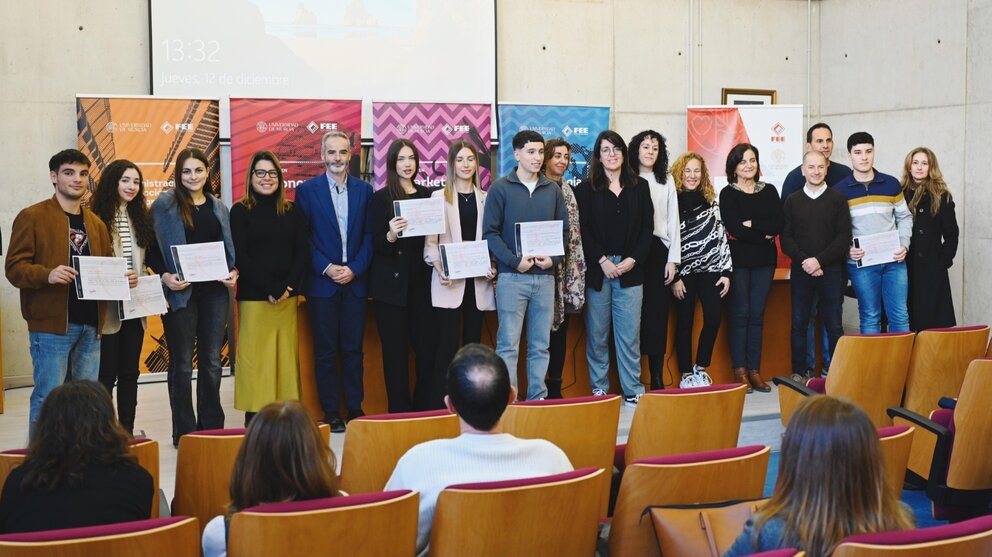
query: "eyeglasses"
259, 173
611, 151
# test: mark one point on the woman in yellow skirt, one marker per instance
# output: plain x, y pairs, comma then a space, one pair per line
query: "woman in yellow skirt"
270, 244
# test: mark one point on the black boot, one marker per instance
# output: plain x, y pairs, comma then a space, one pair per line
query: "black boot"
554, 387
655, 362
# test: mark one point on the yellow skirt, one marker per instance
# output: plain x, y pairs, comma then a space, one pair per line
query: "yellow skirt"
267, 367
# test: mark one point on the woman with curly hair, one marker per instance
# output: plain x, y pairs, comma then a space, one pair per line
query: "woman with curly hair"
933, 244
705, 269
120, 203
78, 471
813, 512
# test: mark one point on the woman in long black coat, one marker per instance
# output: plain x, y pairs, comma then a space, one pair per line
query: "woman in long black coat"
934, 242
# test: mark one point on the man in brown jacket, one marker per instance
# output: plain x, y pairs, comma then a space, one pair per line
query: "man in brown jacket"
63, 330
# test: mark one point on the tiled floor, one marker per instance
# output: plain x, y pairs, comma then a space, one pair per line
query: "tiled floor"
761, 424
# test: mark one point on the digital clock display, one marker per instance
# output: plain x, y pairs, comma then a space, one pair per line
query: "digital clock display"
197, 50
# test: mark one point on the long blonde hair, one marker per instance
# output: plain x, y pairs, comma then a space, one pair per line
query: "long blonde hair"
933, 184
831, 479
449, 182
705, 185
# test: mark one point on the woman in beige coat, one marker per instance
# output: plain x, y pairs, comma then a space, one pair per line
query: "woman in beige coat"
458, 299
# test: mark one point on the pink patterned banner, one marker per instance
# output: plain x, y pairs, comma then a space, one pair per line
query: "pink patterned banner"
432, 127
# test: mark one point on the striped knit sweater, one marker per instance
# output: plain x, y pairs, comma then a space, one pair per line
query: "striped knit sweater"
877, 206
704, 240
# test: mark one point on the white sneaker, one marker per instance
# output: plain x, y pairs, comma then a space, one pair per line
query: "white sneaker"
704, 379
632, 400
689, 380
599, 392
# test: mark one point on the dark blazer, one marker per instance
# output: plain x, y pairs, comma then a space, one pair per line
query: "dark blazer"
391, 264
313, 199
592, 226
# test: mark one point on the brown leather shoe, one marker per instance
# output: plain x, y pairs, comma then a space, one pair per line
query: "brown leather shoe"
755, 378
740, 375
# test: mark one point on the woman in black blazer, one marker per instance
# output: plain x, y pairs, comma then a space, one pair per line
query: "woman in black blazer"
615, 215
400, 285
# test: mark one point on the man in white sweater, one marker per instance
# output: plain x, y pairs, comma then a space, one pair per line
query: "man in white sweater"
478, 391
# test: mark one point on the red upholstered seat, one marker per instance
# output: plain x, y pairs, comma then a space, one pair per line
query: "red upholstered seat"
560, 401
92, 531
692, 390
704, 456
327, 502
220, 432
405, 415
524, 482
924, 535
818, 385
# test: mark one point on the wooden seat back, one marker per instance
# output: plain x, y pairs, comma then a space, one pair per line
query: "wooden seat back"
939, 361
870, 371
585, 429
970, 466
203, 473
374, 444
712, 418
552, 517
173, 537
709, 477
374, 525
895, 442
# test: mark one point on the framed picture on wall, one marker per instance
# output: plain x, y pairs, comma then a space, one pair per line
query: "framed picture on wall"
748, 96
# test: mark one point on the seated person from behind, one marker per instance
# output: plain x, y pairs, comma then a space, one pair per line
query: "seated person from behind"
811, 510
79, 470
283, 458
478, 391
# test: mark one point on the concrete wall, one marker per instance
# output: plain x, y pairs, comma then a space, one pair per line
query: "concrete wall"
52, 50
873, 64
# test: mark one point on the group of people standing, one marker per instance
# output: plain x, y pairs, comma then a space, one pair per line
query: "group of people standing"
637, 235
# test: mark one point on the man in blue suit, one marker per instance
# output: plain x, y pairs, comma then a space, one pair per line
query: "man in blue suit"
335, 208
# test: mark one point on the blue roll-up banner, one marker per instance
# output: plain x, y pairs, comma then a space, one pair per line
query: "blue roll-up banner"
579, 125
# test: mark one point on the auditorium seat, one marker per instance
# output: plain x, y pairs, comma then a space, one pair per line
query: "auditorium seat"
9, 460
547, 515
374, 444
708, 418
380, 524
970, 538
144, 450
959, 483
177, 536
896, 441
938, 363
868, 370
684, 479
585, 428
203, 472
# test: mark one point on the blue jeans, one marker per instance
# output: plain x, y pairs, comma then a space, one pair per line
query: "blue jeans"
201, 326
748, 296
51, 355
334, 320
623, 307
828, 291
519, 295
886, 284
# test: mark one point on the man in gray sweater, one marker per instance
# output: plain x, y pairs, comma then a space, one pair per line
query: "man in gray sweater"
526, 284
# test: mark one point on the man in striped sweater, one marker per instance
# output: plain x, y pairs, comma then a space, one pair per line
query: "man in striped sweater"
877, 205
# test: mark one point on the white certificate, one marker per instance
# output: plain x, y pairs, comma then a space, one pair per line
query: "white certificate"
465, 259
201, 262
146, 299
540, 238
423, 216
879, 248
101, 278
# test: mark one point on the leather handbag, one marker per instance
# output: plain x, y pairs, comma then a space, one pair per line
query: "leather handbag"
697, 530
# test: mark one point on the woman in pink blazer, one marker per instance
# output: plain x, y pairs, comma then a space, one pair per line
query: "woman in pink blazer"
464, 203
